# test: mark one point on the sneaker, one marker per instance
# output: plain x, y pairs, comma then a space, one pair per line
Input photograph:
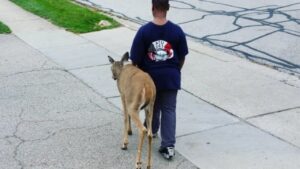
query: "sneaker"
167, 152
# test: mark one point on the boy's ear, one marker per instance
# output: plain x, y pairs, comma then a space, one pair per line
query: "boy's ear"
111, 60
125, 57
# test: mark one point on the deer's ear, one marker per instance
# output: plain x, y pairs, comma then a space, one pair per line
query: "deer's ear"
125, 57
111, 60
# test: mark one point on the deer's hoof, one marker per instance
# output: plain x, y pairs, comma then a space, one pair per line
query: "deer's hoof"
129, 132
148, 167
124, 147
138, 165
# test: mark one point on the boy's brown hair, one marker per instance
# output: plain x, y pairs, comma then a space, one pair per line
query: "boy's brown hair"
161, 5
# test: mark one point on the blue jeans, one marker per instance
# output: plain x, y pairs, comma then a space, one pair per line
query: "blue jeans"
164, 116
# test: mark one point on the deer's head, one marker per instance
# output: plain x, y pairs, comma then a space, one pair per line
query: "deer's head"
117, 66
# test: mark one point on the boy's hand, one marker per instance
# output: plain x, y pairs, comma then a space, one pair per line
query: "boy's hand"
181, 63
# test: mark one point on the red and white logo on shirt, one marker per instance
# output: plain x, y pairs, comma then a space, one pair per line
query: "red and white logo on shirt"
160, 51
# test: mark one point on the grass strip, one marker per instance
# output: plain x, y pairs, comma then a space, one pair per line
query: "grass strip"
67, 14
4, 29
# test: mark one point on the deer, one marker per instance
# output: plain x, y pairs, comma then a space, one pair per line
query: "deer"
137, 91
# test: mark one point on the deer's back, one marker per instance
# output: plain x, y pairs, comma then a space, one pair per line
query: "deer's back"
133, 83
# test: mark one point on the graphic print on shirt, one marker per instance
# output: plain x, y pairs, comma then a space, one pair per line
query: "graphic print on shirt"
160, 51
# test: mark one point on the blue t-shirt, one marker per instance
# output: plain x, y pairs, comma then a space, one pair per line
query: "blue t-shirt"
158, 50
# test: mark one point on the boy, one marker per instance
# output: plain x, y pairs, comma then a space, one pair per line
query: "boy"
159, 48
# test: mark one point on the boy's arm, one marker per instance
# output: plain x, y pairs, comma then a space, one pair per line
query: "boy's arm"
183, 49
137, 49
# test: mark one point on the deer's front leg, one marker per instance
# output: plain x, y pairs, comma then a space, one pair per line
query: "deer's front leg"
126, 121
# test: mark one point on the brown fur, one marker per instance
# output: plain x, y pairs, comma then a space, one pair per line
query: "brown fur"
137, 92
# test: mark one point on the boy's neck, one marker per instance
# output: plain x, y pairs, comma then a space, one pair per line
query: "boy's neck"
160, 20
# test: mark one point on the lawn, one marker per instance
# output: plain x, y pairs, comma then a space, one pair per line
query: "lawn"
67, 14
4, 29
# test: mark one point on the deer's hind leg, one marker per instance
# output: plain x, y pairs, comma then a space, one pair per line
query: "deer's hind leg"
126, 125
129, 130
142, 132
149, 116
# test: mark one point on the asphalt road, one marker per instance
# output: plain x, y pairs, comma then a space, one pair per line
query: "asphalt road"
266, 32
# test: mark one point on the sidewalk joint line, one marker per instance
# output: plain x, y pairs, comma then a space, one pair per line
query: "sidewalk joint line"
24, 20
245, 121
93, 90
30, 71
208, 129
205, 54
70, 73
113, 97
198, 97
87, 67
102, 108
271, 113
103, 47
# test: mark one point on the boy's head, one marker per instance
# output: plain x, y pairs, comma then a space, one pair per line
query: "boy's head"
160, 5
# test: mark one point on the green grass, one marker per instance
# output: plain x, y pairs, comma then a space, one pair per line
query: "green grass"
4, 29
67, 14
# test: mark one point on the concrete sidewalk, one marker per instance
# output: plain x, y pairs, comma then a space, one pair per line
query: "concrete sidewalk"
60, 107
